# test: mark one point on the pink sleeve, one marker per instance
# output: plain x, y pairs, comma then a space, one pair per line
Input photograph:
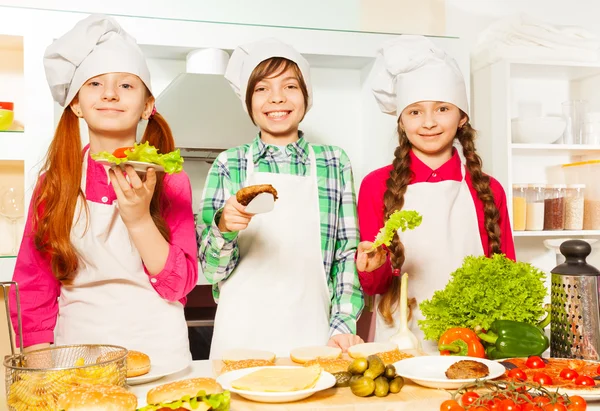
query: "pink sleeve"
370, 219
38, 292
180, 274
507, 244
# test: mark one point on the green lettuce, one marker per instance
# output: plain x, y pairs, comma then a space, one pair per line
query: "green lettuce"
172, 162
399, 220
218, 402
483, 290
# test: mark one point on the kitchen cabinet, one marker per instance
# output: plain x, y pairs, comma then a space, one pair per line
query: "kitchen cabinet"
499, 93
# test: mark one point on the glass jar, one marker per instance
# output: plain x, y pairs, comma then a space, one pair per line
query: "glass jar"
519, 202
554, 207
574, 207
534, 213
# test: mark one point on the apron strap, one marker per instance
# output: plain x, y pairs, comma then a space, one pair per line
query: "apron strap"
84, 168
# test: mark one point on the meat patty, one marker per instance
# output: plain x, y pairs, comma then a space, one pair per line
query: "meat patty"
247, 194
466, 369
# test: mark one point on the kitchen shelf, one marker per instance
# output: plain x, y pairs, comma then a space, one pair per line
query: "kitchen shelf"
573, 149
544, 69
559, 233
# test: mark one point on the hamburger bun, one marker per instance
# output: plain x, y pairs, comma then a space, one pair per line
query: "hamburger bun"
390, 357
138, 364
247, 194
238, 365
304, 354
175, 390
365, 349
241, 354
331, 365
97, 398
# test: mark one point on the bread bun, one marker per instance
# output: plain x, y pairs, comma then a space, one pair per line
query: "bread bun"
365, 349
304, 354
390, 357
331, 365
138, 364
238, 365
241, 354
174, 391
97, 398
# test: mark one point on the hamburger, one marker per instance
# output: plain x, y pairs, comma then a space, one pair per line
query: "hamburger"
198, 394
245, 195
97, 398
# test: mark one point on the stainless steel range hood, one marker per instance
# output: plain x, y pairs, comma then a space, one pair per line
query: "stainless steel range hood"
204, 113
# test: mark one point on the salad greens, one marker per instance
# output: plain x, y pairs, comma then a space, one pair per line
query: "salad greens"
172, 162
399, 220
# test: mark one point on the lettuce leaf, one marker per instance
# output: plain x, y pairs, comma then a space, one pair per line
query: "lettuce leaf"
172, 162
218, 402
483, 290
399, 220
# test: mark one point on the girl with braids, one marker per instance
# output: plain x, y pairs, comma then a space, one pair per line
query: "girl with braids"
437, 172
107, 257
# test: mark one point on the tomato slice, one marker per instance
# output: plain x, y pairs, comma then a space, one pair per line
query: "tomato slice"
568, 374
535, 362
120, 152
585, 381
542, 378
517, 374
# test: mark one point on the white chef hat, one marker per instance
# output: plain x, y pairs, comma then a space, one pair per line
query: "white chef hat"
411, 68
246, 57
95, 46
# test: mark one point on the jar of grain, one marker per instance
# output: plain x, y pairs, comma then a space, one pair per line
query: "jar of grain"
519, 206
574, 207
554, 207
534, 213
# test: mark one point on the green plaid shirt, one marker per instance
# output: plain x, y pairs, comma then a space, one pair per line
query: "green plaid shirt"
219, 252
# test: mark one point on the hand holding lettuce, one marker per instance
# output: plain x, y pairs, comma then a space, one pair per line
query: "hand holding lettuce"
172, 162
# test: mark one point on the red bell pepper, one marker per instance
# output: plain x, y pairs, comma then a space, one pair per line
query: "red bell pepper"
461, 341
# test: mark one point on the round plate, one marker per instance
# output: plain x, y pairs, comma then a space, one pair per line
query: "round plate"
156, 372
139, 166
430, 371
325, 381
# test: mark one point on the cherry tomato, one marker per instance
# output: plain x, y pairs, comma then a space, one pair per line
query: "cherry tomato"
525, 398
478, 408
577, 403
598, 370
541, 400
120, 152
542, 378
530, 407
494, 405
585, 381
510, 405
468, 398
535, 362
517, 374
568, 374
555, 407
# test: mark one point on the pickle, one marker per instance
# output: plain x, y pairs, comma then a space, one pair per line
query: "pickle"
342, 379
354, 378
396, 385
362, 387
358, 366
376, 367
390, 371
382, 386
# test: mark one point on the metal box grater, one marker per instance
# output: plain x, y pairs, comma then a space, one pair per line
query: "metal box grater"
575, 327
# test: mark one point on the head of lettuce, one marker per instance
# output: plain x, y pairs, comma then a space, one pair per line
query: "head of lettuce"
172, 162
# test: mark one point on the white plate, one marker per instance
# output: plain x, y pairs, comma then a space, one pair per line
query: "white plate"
137, 165
430, 371
262, 203
325, 381
156, 373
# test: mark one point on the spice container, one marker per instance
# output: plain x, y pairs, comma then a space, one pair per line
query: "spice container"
534, 213
574, 207
554, 207
587, 173
519, 206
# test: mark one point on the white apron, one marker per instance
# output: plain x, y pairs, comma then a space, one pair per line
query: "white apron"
111, 300
449, 232
277, 298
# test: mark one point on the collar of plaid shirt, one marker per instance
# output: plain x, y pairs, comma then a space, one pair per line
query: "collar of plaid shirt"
299, 147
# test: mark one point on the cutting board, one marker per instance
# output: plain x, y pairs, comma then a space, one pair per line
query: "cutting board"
412, 397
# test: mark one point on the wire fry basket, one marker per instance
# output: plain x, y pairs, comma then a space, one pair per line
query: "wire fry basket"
36, 379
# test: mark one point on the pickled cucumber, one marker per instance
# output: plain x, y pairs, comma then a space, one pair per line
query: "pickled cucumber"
376, 367
342, 379
390, 371
396, 385
354, 378
382, 386
358, 366
362, 387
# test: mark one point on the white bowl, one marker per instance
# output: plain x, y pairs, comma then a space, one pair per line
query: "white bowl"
537, 130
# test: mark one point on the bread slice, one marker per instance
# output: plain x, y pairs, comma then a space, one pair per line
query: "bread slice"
365, 349
304, 354
331, 365
241, 354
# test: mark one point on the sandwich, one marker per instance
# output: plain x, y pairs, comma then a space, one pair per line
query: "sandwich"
245, 195
97, 398
143, 153
198, 394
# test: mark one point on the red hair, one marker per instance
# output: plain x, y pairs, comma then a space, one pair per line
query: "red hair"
59, 188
